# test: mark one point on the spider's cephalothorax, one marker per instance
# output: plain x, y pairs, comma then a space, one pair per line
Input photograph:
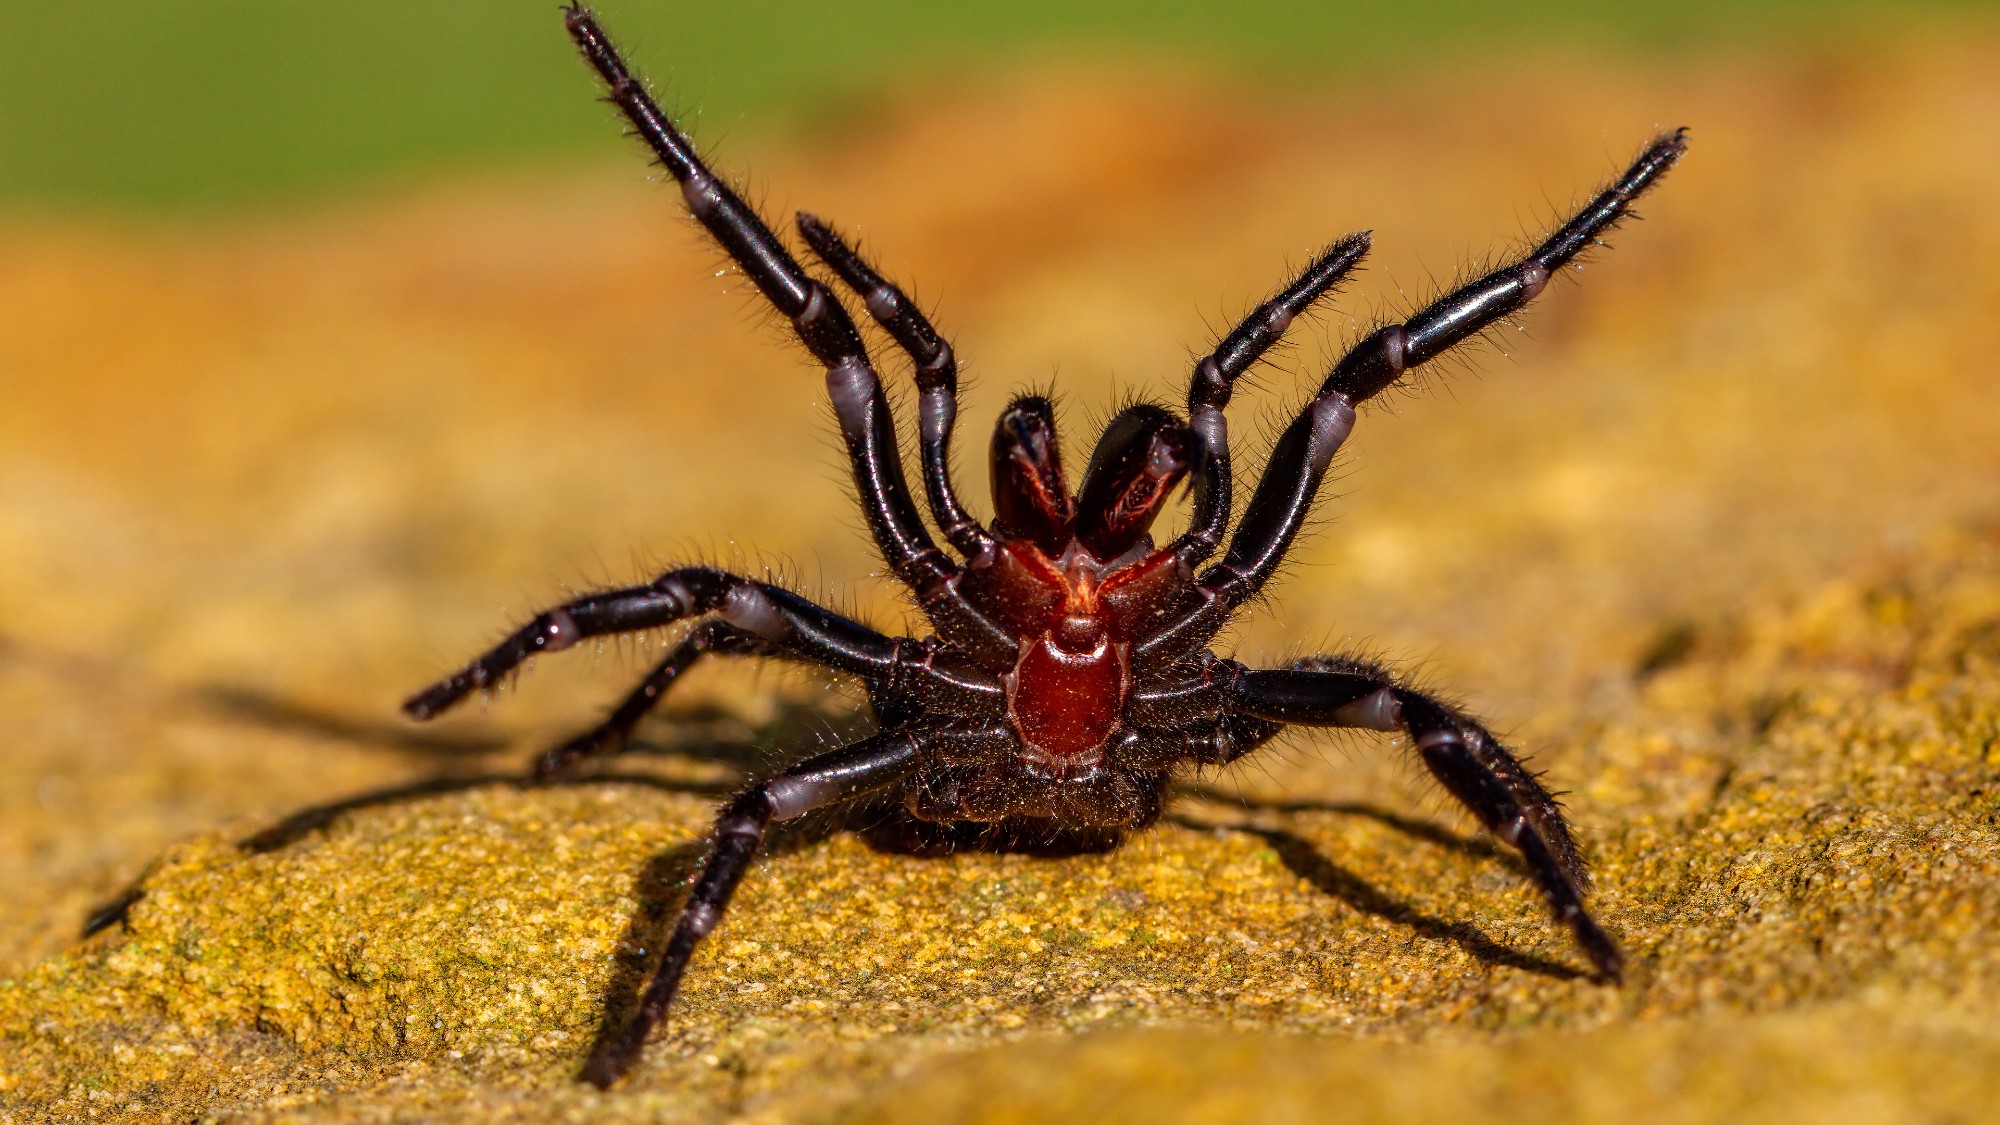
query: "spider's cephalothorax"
1069, 674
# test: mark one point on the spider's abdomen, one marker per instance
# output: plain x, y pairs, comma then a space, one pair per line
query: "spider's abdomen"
1065, 694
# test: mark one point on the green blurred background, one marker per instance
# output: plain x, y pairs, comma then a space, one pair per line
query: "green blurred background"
195, 105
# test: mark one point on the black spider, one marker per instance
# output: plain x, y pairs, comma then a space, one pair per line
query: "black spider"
1069, 676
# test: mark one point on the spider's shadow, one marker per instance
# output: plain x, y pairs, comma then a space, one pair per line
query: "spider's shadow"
1303, 859
1477, 847
462, 763
295, 826
456, 763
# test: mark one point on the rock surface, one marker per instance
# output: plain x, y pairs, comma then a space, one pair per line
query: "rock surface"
1719, 549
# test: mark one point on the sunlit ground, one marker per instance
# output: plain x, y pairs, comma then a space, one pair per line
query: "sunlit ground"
259, 478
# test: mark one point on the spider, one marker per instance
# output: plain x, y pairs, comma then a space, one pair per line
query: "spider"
1069, 676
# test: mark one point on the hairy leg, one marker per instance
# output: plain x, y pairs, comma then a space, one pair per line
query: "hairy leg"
1284, 497
709, 637
851, 771
1380, 360
777, 617
823, 326
1215, 378
1473, 765
937, 380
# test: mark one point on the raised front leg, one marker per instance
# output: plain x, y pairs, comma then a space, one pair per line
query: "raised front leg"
1472, 764
863, 767
1215, 378
823, 326
1381, 359
1298, 463
937, 380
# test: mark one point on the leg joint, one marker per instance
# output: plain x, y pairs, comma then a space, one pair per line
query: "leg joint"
746, 816
701, 918
748, 609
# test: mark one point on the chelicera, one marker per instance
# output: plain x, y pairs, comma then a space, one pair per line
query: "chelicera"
1069, 675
